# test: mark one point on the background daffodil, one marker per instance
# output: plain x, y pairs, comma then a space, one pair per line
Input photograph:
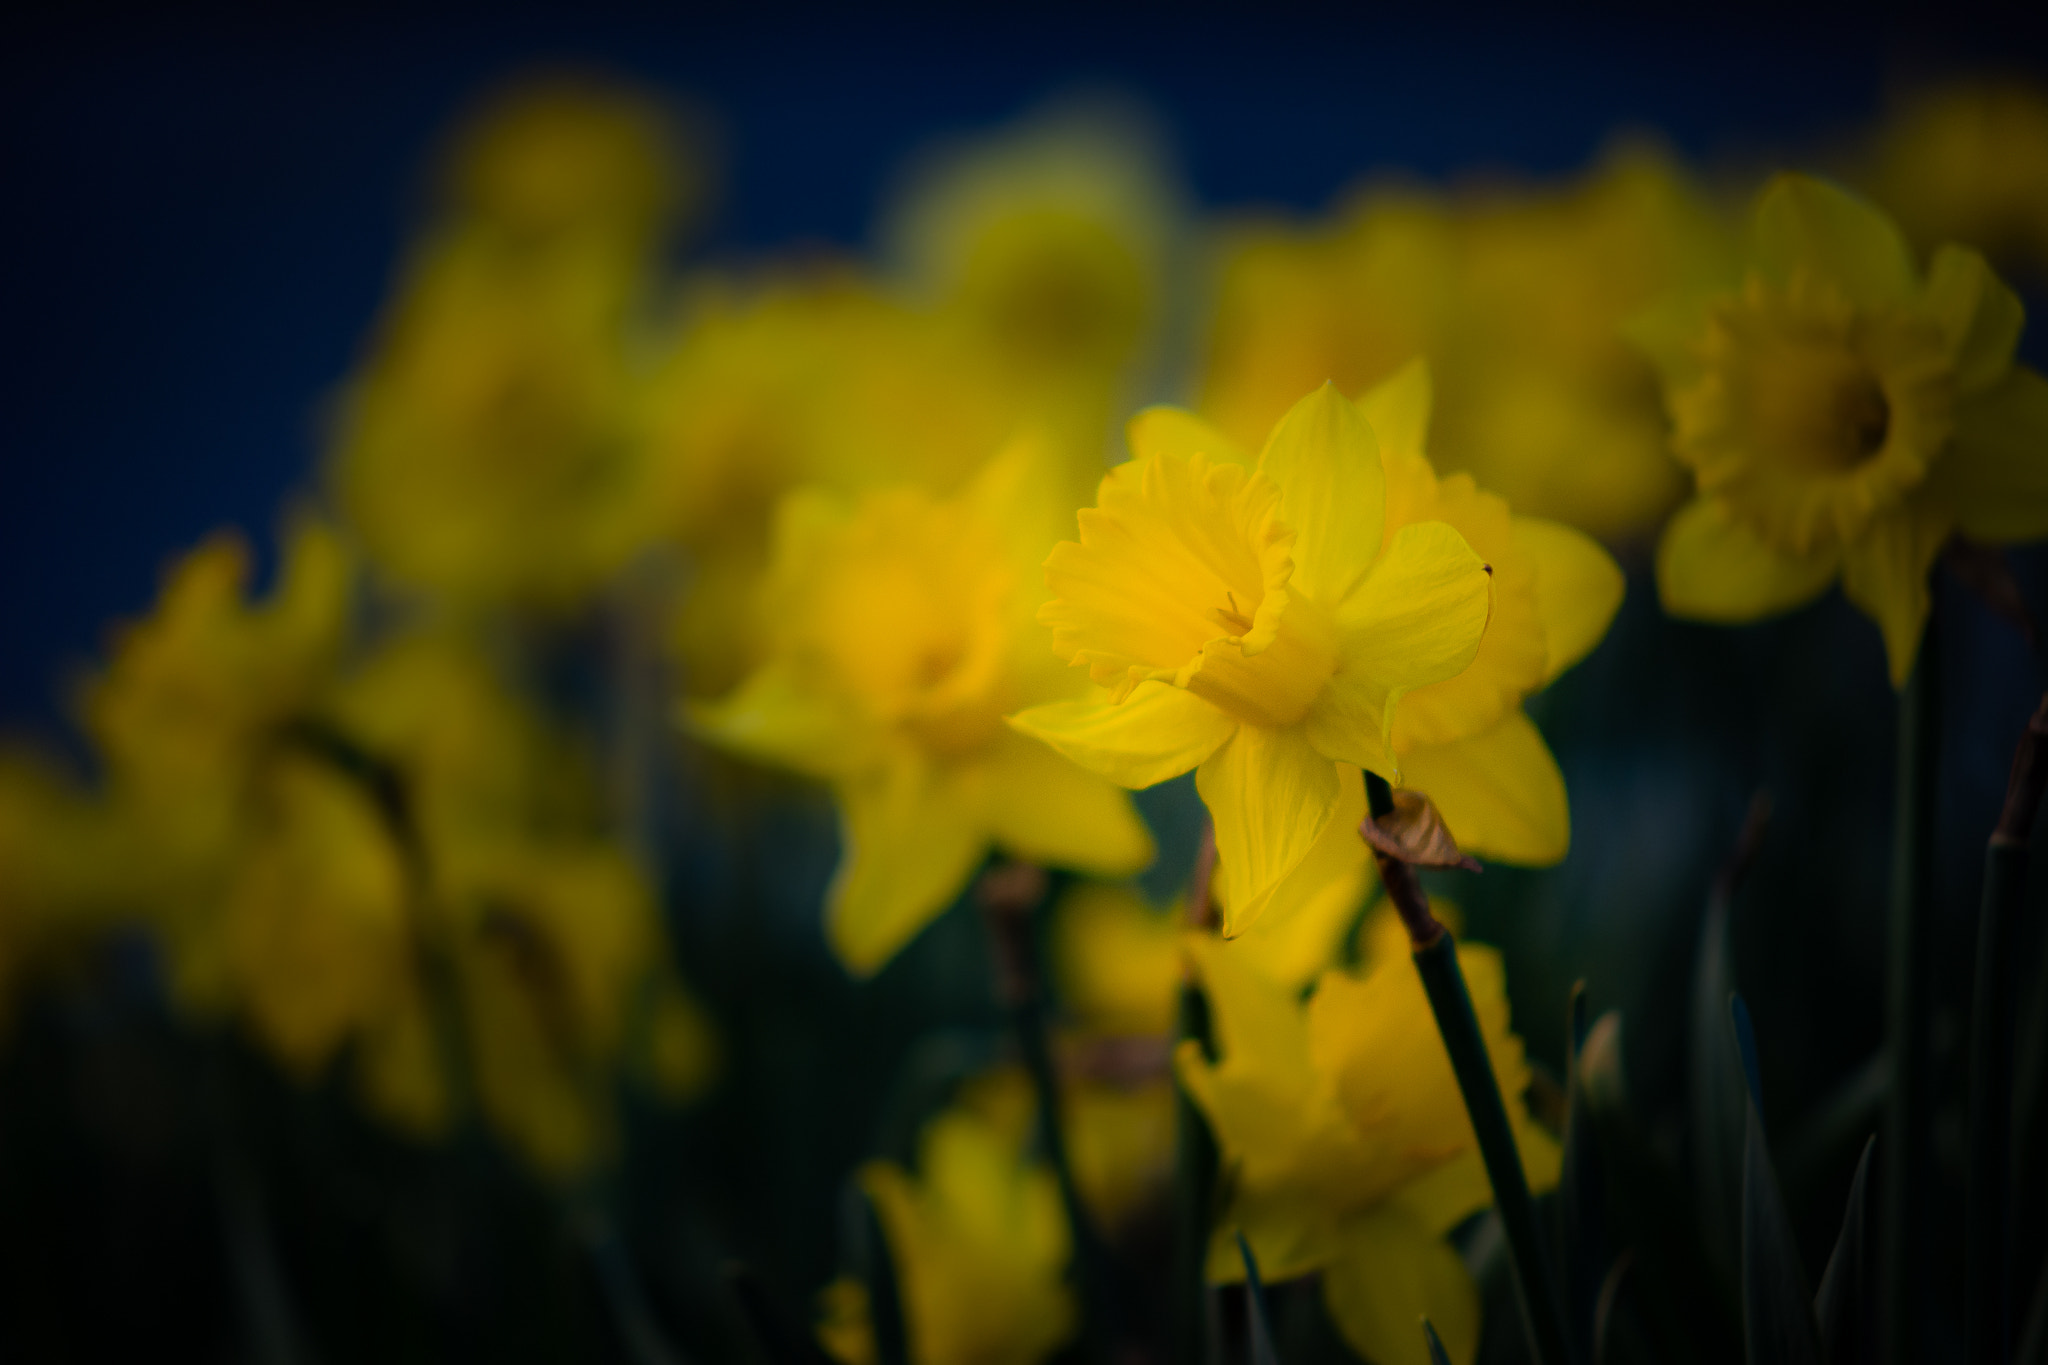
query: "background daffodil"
1259, 625
1345, 1143
980, 1245
1843, 416
900, 632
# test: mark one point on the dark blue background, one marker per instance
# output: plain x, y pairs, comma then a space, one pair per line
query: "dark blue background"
203, 213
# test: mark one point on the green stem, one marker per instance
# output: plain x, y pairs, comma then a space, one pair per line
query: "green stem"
885, 1296
1195, 1341
1196, 1332
1443, 980
1012, 898
1987, 1300
1908, 1132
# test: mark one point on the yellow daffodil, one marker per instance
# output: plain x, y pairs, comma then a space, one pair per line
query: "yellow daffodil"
901, 635
1968, 162
1515, 295
1118, 963
1345, 1142
980, 1245
1464, 741
316, 926
1048, 243
64, 872
1259, 625
549, 932
1843, 415
190, 711
815, 379
565, 160
483, 449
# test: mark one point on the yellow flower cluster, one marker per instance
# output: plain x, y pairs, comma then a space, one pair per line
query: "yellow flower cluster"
382, 856
840, 496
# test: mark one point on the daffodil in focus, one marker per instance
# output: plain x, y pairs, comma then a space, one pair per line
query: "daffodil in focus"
1843, 415
980, 1245
1345, 1143
1259, 625
901, 635
1465, 741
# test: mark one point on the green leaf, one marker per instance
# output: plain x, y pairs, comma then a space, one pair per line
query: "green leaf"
779, 1342
1843, 1307
1777, 1314
1581, 1191
1437, 1354
1258, 1319
1715, 1095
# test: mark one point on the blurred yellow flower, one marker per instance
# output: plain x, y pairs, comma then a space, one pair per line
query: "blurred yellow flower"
482, 450
315, 926
189, 712
1515, 296
813, 379
1842, 417
1255, 625
900, 635
1049, 243
63, 873
980, 1244
564, 159
1968, 162
1346, 1146
552, 941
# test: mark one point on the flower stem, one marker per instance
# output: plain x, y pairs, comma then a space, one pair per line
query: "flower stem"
1011, 897
1436, 959
1988, 1290
1196, 1337
1908, 1132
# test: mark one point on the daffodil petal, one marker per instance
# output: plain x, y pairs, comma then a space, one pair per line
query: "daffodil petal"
1994, 473
1710, 567
1578, 589
1157, 732
909, 843
1044, 809
1804, 224
1270, 796
1500, 793
1165, 430
773, 718
1389, 1275
1446, 1195
1669, 333
1417, 619
1980, 315
1318, 903
1885, 574
1326, 462
1398, 407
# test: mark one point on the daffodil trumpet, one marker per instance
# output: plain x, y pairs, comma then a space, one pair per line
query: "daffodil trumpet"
1443, 981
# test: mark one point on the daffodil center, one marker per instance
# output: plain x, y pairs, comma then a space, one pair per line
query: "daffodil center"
1270, 671
1814, 404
